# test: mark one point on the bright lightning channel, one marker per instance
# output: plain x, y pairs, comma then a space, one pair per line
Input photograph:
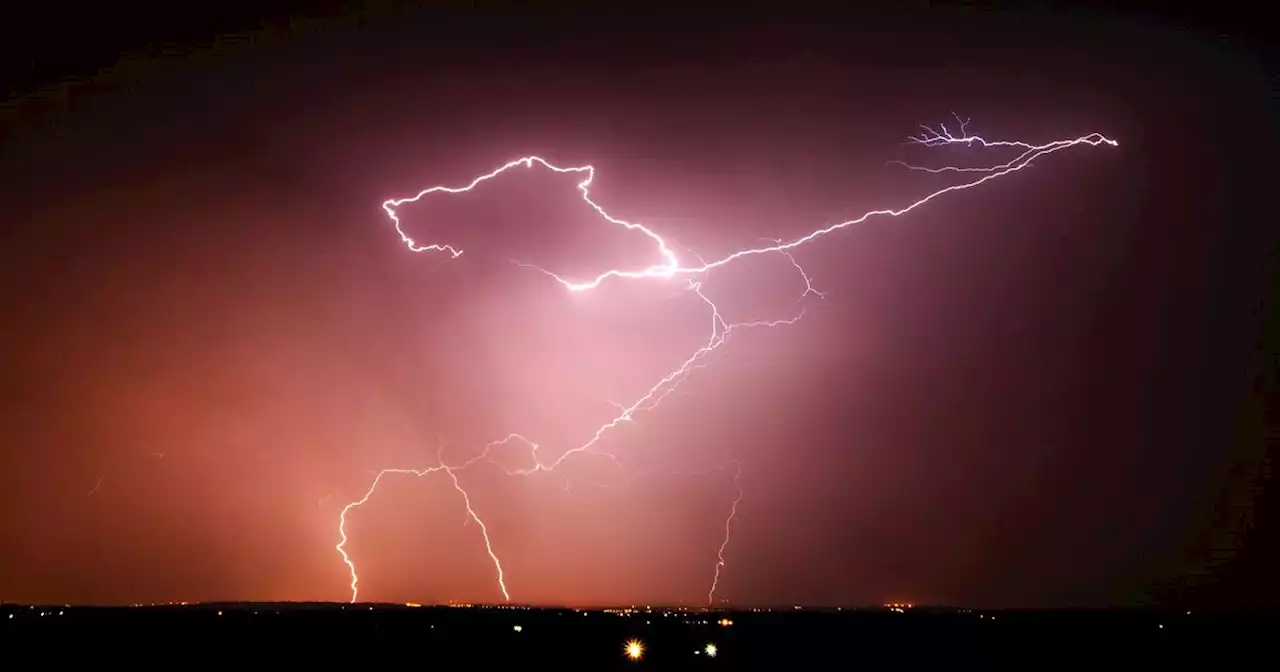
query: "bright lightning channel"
668, 267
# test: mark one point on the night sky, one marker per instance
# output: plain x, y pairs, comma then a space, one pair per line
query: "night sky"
1053, 389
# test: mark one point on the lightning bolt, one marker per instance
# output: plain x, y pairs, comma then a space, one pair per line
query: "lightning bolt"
96, 486
669, 266
728, 526
452, 471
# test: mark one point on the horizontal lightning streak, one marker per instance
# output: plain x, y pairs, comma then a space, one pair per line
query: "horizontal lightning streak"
670, 267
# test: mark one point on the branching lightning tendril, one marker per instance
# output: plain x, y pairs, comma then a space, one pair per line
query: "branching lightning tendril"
670, 266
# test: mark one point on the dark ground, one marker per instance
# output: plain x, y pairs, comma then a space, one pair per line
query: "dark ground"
594, 639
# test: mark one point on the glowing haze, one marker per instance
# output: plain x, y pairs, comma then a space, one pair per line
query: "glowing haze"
686, 274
